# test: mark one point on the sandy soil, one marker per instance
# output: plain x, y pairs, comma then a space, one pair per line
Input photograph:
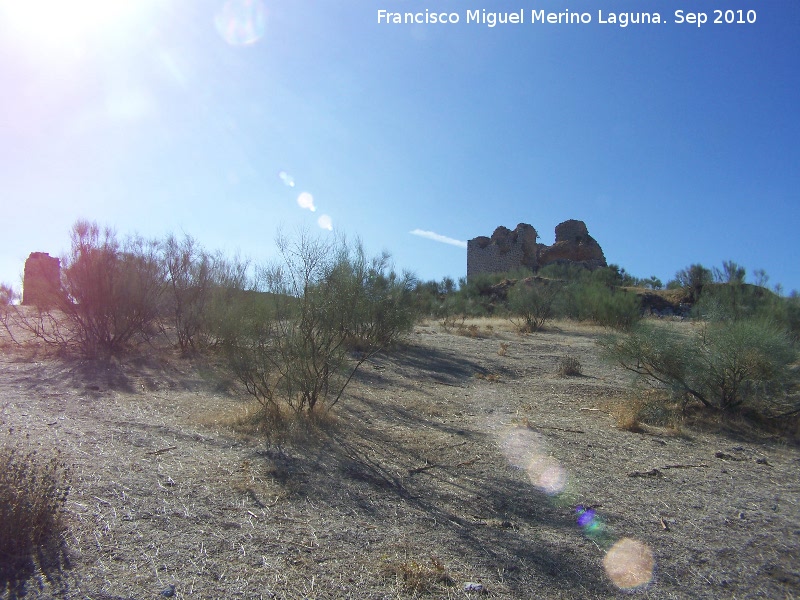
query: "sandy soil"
450, 470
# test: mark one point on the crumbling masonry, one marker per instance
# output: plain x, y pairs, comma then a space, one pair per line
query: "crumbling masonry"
507, 250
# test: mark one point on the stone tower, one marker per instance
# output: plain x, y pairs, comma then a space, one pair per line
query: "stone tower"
42, 280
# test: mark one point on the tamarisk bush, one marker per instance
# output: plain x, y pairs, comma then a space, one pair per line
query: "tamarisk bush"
724, 365
312, 319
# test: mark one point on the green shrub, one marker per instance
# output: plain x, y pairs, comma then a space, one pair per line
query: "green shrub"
112, 291
429, 298
723, 365
7, 311
610, 307
692, 279
610, 276
313, 320
565, 272
530, 305
790, 316
33, 491
476, 297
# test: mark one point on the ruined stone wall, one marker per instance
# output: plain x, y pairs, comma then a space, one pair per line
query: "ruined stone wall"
491, 258
507, 250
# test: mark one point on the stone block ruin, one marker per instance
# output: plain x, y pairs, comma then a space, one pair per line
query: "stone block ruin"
41, 280
507, 250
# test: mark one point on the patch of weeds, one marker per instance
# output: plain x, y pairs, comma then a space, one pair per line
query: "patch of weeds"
278, 424
490, 377
499, 523
472, 331
569, 366
628, 416
633, 411
33, 492
453, 321
420, 577
503, 349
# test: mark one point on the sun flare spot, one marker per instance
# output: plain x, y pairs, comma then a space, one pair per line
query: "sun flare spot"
527, 450
629, 564
306, 200
56, 22
287, 179
241, 22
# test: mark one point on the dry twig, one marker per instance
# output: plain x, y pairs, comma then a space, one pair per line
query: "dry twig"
158, 452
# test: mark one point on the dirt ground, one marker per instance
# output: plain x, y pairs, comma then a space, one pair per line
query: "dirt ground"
455, 467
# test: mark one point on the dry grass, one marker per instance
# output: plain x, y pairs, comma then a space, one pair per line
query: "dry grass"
425, 479
485, 327
472, 331
421, 577
635, 410
491, 377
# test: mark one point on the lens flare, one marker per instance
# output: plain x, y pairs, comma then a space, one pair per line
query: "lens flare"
589, 521
547, 474
520, 445
629, 564
525, 449
58, 25
287, 179
325, 222
306, 200
241, 22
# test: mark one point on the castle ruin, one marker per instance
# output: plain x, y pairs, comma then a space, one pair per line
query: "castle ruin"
507, 250
42, 280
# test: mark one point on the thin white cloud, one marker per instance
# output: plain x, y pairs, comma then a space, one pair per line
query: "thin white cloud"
431, 235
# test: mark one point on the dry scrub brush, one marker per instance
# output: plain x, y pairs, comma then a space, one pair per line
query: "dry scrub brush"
420, 577
33, 492
569, 366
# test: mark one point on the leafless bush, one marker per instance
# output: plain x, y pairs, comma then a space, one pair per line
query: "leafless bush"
190, 274
7, 295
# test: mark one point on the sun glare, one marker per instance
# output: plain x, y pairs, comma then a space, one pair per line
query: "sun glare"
59, 22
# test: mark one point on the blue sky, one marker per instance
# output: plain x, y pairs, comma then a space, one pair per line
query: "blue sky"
674, 143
